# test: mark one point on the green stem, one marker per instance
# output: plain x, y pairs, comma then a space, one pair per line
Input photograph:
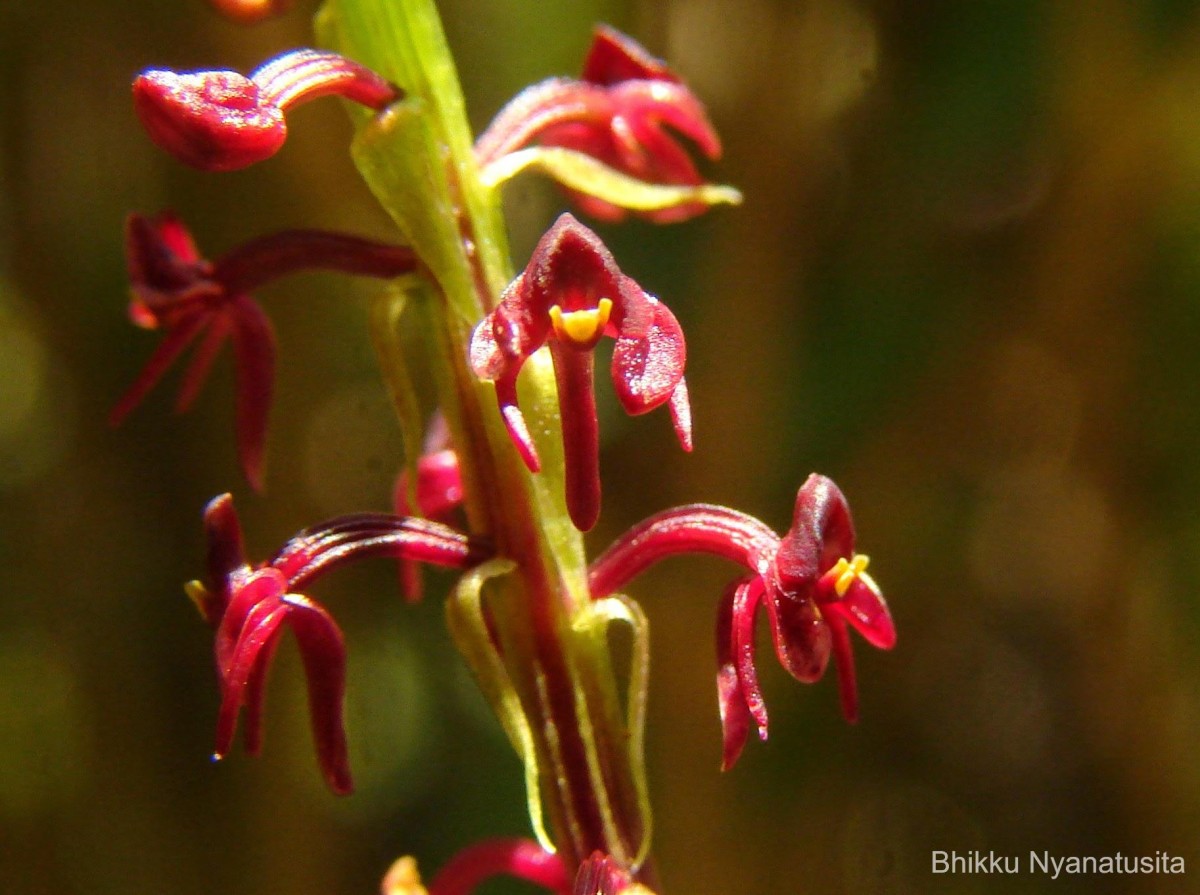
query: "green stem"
417, 157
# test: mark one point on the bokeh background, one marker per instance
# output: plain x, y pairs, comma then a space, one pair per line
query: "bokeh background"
965, 282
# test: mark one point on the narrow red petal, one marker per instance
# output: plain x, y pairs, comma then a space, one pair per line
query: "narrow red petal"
262, 625
254, 356
573, 370
323, 651
843, 659
731, 699
201, 362
746, 602
172, 345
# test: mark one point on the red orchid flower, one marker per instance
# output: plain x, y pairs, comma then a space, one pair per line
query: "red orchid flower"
618, 114
438, 490
222, 120
570, 295
251, 606
190, 298
812, 584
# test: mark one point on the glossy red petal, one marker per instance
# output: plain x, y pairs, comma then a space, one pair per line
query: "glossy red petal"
261, 627
323, 651
212, 120
647, 368
731, 697
801, 636
864, 607
262, 587
573, 371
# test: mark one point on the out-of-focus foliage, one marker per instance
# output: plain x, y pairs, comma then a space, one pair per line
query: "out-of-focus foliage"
965, 283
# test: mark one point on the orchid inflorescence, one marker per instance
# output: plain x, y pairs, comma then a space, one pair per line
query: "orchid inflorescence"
515, 440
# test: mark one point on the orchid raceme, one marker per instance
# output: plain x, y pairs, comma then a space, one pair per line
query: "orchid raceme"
250, 606
571, 294
505, 362
189, 298
617, 114
811, 583
222, 120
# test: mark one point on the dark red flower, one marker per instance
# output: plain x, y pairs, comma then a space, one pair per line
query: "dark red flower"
190, 298
438, 491
622, 113
222, 120
812, 584
250, 607
570, 295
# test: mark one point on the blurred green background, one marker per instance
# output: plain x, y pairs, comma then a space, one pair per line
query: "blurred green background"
965, 283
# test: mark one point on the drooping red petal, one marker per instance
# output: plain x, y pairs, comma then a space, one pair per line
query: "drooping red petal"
864, 607
254, 697
261, 627
254, 358
801, 635
323, 651
173, 343
731, 697
746, 601
261, 587
573, 370
211, 120
520, 858
843, 660
647, 367
514, 422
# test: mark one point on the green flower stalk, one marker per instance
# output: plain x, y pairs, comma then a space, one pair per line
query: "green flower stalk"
515, 440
